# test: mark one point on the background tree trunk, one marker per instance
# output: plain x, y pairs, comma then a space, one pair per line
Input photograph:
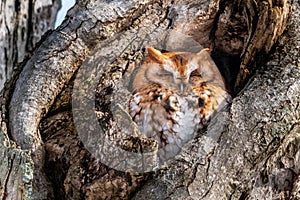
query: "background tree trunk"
22, 23
249, 151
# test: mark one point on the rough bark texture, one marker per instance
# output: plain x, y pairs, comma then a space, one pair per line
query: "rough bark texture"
249, 151
22, 23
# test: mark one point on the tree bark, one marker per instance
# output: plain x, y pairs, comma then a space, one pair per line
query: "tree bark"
22, 24
250, 150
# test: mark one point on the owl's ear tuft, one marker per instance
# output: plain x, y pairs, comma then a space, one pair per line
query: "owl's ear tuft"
155, 55
203, 54
204, 51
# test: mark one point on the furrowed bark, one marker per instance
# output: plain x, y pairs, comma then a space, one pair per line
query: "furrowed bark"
52, 65
22, 24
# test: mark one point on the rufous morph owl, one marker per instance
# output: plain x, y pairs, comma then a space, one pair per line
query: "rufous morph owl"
175, 94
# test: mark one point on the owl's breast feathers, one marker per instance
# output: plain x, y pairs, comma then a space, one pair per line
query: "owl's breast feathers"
162, 114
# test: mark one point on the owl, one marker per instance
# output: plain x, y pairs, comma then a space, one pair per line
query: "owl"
174, 95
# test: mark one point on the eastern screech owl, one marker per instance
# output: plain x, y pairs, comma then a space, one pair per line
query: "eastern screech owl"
175, 94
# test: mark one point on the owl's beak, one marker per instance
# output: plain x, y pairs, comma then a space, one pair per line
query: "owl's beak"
181, 83
182, 87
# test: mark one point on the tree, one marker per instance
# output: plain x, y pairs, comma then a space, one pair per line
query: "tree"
249, 151
22, 25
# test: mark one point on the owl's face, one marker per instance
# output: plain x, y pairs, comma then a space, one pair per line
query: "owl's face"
179, 71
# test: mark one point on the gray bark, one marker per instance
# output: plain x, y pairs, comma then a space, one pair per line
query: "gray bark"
249, 151
22, 24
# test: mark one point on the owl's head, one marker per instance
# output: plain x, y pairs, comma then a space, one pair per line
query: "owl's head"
178, 70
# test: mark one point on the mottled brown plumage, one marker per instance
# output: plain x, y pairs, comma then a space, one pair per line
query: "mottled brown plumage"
175, 94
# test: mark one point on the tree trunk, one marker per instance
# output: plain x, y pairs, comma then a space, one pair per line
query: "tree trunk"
250, 150
22, 24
